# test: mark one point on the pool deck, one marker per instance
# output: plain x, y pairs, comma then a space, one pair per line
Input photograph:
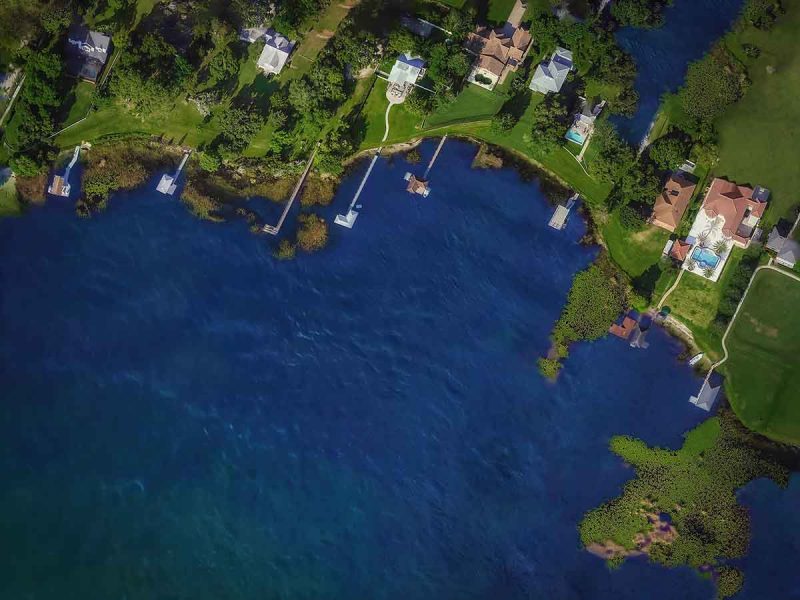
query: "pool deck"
706, 233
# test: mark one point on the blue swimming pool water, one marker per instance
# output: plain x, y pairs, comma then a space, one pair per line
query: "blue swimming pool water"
185, 417
575, 137
706, 257
663, 55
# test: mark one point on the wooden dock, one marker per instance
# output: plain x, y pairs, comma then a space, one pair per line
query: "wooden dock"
275, 229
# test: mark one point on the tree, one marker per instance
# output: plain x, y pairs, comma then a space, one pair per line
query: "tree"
614, 156
762, 13
503, 122
668, 152
550, 121
209, 161
630, 218
638, 13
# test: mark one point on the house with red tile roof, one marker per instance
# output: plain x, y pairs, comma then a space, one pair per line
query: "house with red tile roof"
498, 52
623, 330
737, 208
672, 202
680, 250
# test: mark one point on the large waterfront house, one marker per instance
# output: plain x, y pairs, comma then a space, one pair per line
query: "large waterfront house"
728, 217
405, 73
86, 53
671, 203
275, 54
498, 52
787, 250
551, 74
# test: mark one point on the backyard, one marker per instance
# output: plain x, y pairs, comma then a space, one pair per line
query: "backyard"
765, 117
763, 371
696, 299
470, 116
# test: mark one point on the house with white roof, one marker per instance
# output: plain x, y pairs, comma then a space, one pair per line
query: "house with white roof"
277, 49
551, 74
405, 73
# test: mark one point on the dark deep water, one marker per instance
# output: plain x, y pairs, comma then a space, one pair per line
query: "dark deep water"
662, 55
185, 417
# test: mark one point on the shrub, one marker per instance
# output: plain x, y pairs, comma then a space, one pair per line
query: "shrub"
313, 233
549, 367
751, 50
630, 218
503, 122
483, 79
729, 581
286, 250
209, 161
762, 13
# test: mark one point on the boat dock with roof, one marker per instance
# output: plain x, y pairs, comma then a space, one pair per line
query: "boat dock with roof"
561, 215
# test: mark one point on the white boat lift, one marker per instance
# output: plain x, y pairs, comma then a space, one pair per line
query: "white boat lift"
349, 219
60, 185
168, 183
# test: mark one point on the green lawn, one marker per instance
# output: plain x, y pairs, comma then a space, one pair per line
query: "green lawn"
634, 252
763, 371
453, 3
499, 10
759, 136
695, 302
84, 93
474, 103
405, 126
181, 123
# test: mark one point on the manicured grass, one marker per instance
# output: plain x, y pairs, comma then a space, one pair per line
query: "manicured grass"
453, 3
181, 123
405, 126
9, 203
84, 92
499, 10
758, 137
634, 252
763, 371
474, 103
695, 302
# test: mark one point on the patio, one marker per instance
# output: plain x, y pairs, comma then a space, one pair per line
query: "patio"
710, 247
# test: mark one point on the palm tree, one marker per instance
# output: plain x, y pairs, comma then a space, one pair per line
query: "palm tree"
708, 272
691, 264
721, 247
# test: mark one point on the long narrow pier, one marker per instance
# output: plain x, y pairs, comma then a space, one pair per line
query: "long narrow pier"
349, 219
275, 229
434, 157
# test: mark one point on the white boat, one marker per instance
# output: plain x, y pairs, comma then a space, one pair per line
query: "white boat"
696, 359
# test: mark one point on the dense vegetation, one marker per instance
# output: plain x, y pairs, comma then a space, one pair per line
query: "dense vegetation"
639, 13
696, 486
596, 299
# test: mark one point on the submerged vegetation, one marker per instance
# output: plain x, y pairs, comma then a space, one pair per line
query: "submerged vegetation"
597, 297
694, 489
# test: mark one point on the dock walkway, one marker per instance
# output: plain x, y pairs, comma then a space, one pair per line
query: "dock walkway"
275, 229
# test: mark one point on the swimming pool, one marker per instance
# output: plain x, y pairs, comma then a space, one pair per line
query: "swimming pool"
574, 136
706, 258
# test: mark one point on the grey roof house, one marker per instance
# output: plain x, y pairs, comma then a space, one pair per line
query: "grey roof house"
87, 52
277, 49
551, 74
787, 250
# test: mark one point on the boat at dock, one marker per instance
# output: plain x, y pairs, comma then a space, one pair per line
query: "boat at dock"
696, 359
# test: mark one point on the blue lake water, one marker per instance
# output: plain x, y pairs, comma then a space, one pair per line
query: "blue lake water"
663, 55
184, 416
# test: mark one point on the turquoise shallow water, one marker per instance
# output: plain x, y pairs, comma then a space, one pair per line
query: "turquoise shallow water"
185, 417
